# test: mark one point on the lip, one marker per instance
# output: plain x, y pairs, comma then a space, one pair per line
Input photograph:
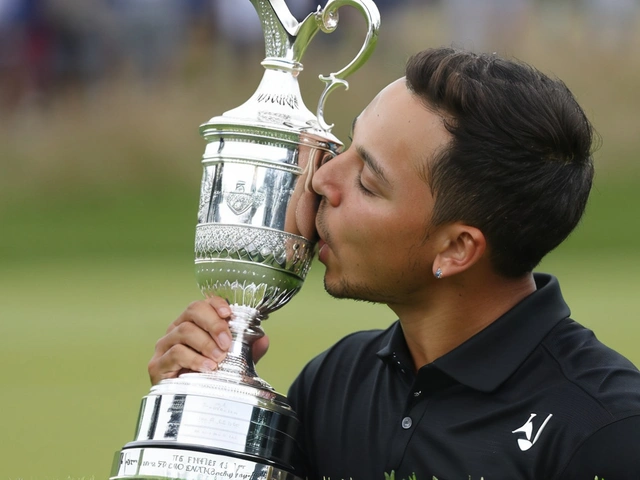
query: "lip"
323, 250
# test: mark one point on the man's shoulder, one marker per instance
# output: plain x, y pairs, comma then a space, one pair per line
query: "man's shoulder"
593, 370
611, 451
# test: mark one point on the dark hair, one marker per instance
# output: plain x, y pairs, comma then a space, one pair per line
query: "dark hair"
519, 164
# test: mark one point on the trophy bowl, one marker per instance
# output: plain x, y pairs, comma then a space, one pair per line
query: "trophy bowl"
249, 246
254, 243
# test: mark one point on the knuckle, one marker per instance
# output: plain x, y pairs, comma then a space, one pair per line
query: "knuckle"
208, 346
218, 325
175, 353
196, 306
216, 301
185, 330
160, 343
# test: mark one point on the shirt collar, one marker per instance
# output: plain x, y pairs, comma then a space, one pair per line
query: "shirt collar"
487, 359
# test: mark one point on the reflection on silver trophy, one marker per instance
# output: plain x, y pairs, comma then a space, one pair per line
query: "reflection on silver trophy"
254, 244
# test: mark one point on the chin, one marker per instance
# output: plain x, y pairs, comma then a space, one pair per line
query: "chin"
346, 290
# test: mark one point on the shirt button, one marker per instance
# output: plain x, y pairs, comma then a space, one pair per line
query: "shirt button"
406, 423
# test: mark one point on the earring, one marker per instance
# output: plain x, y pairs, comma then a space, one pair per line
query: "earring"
438, 273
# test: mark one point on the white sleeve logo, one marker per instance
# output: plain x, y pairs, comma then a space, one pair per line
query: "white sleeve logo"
526, 443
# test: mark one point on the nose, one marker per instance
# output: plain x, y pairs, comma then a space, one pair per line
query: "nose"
325, 180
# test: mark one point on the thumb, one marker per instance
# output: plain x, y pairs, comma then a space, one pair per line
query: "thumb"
260, 347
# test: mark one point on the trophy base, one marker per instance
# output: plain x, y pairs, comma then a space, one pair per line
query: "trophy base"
197, 427
151, 463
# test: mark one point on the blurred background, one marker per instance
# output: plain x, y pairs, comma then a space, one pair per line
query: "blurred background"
100, 103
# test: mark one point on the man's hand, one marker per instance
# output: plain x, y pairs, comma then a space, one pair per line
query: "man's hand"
197, 341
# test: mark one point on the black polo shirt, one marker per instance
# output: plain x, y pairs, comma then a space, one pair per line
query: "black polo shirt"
533, 396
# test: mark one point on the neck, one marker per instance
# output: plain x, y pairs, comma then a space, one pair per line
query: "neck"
454, 309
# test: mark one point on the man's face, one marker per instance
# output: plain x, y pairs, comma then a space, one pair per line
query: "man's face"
376, 207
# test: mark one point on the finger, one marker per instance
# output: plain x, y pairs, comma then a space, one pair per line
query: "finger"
197, 308
194, 337
306, 212
220, 330
206, 314
260, 347
177, 359
220, 305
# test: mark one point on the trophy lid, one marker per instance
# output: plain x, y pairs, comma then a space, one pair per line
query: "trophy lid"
277, 103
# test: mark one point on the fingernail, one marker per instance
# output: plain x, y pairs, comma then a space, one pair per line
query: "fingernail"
217, 354
224, 311
208, 366
224, 340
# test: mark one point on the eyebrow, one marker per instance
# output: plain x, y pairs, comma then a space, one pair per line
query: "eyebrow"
368, 159
373, 164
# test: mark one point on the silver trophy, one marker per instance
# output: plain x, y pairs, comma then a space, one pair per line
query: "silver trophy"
254, 245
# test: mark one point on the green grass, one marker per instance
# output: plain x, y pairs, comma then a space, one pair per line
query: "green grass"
76, 337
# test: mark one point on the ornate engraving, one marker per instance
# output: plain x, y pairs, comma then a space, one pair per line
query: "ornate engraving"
256, 163
262, 246
274, 117
285, 100
240, 201
275, 35
250, 266
247, 135
280, 138
264, 297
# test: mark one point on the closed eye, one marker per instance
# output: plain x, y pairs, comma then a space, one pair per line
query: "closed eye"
361, 187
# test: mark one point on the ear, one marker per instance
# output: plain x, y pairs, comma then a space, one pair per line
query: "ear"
462, 246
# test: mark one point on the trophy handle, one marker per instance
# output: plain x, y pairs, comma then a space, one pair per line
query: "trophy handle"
328, 19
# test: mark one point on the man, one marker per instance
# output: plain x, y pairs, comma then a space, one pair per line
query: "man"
460, 178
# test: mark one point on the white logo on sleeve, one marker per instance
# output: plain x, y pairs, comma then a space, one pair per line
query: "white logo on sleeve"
526, 443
